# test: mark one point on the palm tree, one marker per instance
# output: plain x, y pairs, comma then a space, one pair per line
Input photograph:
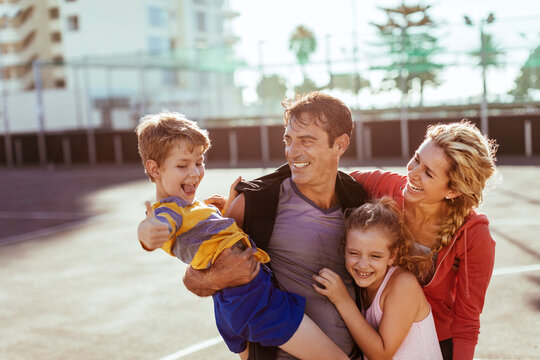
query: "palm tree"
302, 43
493, 54
490, 55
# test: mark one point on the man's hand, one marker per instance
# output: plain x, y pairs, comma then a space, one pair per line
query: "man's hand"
152, 233
229, 270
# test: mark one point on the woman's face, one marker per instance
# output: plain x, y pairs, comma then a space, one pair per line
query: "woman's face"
427, 175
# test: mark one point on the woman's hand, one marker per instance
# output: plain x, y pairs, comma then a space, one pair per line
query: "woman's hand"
332, 286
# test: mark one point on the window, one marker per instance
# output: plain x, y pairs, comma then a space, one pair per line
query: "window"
157, 17
54, 13
56, 37
219, 25
201, 21
58, 59
170, 77
73, 23
59, 83
204, 79
158, 45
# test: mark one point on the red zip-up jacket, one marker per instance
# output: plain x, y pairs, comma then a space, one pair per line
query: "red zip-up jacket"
456, 295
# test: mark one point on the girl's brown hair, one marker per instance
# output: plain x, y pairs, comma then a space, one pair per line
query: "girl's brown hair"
384, 215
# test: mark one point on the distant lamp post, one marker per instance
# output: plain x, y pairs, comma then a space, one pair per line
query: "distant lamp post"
484, 106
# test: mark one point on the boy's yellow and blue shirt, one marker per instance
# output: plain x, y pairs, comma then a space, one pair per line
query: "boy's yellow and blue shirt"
199, 233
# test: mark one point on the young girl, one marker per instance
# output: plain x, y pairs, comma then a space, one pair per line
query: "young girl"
395, 319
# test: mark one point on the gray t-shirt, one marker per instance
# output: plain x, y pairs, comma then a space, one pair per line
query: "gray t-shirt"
305, 239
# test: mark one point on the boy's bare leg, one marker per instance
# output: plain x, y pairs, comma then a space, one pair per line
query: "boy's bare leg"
244, 354
309, 342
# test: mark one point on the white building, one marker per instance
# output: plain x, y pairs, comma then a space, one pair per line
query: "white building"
105, 63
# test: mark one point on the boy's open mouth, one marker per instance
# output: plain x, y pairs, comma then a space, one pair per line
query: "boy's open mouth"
189, 188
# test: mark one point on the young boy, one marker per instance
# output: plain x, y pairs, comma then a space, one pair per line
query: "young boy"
172, 150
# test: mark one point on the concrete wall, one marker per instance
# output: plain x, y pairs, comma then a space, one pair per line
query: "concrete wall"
517, 136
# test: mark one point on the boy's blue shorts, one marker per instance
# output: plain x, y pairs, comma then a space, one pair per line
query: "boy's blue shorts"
257, 312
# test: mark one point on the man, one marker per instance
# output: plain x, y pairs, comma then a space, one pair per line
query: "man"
296, 215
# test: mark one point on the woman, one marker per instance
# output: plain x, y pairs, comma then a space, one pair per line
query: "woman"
455, 251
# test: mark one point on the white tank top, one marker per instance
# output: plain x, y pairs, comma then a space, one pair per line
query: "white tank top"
421, 343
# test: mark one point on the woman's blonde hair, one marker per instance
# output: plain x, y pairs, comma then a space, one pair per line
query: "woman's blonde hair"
471, 156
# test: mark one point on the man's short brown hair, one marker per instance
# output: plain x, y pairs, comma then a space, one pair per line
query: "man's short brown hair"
329, 113
158, 133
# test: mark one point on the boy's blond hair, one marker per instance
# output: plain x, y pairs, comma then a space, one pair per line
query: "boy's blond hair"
158, 133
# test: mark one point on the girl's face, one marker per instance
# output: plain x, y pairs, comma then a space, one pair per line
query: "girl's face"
367, 256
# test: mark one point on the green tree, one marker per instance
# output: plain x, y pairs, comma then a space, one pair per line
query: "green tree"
347, 82
411, 49
302, 43
307, 86
528, 78
272, 88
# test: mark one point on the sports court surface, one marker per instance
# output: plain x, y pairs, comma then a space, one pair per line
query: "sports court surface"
75, 283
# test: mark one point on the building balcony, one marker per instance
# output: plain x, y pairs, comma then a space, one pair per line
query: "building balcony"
9, 33
18, 77
24, 55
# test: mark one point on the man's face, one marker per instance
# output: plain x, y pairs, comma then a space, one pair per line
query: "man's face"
312, 161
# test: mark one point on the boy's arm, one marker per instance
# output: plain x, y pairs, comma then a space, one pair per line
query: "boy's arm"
230, 268
221, 202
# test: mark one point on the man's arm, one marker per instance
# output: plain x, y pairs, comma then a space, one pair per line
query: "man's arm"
230, 268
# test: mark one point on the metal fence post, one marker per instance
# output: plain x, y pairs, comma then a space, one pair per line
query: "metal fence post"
233, 148
90, 136
528, 138
42, 148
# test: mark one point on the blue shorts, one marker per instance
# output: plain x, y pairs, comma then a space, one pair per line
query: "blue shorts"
257, 312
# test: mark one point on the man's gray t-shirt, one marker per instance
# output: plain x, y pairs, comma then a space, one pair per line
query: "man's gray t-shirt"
304, 240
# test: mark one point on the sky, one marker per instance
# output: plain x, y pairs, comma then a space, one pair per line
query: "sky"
264, 28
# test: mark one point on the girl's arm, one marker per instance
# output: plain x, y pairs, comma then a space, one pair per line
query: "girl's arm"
400, 306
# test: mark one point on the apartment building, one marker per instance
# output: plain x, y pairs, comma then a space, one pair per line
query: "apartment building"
29, 30
148, 53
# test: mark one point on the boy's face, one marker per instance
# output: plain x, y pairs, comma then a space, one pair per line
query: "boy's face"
180, 173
